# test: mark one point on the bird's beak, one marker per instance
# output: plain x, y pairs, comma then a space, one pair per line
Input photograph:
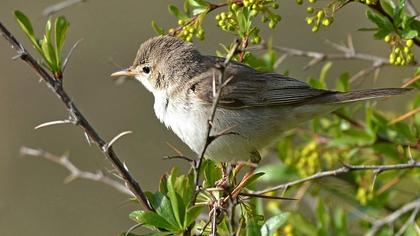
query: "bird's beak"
126, 72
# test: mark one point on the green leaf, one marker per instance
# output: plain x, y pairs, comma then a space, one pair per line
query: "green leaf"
176, 12
387, 149
178, 206
26, 26
415, 25
252, 227
48, 30
163, 184
163, 207
343, 82
192, 215
254, 177
211, 173
273, 173
388, 6
270, 227
340, 222
324, 72
151, 218
323, 218
47, 52
61, 25
353, 137
399, 13
159, 30
409, 33
198, 6
384, 24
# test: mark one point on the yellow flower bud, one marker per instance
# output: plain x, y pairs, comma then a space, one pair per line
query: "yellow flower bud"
320, 14
409, 43
326, 22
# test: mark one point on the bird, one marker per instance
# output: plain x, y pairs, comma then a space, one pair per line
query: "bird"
256, 107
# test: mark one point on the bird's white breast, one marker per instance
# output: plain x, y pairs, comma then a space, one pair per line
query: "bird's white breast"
185, 123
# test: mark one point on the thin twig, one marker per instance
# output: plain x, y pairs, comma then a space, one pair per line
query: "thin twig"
56, 85
411, 81
222, 83
75, 172
404, 116
341, 170
411, 220
391, 218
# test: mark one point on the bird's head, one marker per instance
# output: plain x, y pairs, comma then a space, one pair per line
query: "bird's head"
163, 63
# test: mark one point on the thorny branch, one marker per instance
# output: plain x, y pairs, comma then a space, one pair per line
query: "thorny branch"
76, 116
391, 218
345, 169
216, 97
75, 172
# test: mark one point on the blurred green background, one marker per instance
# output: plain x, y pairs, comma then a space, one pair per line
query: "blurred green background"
33, 198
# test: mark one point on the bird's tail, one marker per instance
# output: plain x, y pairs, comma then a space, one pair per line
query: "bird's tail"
354, 96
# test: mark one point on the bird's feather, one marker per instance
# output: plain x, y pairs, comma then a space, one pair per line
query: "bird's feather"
250, 88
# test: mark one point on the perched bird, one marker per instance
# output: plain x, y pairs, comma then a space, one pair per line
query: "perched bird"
256, 107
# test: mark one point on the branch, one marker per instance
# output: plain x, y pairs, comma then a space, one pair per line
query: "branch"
216, 97
75, 172
391, 218
76, 116
345, 169
347, 53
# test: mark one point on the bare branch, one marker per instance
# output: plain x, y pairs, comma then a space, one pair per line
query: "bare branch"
391, 218
345, 169
75, 172
50, 10
56, 85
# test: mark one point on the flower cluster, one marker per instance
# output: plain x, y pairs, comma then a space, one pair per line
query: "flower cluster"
227, 21
401, 53
308, 162
318, 19
189, 29
239, 14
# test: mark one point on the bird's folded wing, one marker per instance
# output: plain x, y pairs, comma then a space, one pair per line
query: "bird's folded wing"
250, 88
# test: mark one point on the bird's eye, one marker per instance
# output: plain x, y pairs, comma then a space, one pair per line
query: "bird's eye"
146, 69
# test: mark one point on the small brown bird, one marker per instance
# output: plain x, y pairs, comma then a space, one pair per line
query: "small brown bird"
256, 106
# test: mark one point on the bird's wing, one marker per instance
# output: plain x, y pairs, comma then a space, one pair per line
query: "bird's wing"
250, 88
